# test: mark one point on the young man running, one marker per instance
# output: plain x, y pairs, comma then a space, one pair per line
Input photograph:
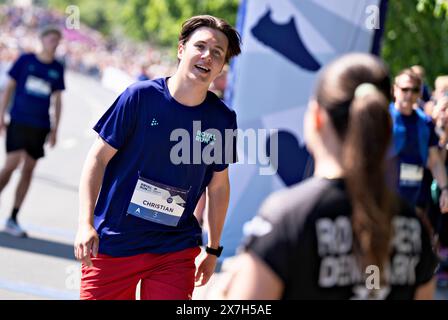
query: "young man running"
142, 226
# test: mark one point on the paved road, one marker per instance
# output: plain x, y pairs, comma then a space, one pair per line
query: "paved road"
43, 266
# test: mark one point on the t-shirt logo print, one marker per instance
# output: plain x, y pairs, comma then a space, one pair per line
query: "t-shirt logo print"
154, 122
206, 137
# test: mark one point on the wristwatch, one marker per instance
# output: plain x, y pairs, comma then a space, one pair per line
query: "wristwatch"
215, 252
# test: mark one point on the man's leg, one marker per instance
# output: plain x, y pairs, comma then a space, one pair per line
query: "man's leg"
25, 181
110, 278
12, 227
171, 277
13, 160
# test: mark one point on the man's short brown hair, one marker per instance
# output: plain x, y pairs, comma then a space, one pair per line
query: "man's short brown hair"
441, 83
411, 74
50, 29
196, 22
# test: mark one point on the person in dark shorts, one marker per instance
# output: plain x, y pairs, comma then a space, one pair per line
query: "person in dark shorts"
340, 234
35, 79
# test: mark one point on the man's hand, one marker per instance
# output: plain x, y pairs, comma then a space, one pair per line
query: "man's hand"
86, 243
444, 201
2, 125
52, 138
205, 269
4, 101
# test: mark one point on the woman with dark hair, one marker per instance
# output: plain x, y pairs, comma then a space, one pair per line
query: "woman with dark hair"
340, 234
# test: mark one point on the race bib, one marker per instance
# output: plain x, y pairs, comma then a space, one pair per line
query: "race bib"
37, 86
410, 174
157, 202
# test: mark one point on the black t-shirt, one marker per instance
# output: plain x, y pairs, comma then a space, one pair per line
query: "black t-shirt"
304, 235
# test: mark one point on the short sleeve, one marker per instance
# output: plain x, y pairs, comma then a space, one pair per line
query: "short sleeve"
60, 83
433, 139
270, 240
230, 139
17, 68
119, 121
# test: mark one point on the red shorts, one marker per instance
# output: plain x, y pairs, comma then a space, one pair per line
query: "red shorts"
168, 276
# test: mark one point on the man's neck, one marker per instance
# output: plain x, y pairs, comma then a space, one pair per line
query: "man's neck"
404, 110
186, 92
45, 57
328, 167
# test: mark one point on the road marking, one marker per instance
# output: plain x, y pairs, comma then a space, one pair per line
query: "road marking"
65, 234
37, 290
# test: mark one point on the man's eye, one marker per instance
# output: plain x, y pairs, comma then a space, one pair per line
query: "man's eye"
200, 46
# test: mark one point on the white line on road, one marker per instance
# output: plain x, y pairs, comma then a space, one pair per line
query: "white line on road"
65, 234
36, 290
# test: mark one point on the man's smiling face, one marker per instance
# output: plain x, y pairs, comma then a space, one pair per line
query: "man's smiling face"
203, 55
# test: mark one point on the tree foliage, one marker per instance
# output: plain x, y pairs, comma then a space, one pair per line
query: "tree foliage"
416, 32
157, 21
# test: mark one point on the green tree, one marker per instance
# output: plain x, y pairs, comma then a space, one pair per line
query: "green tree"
157, 21
160, 21
416, 32
100, 15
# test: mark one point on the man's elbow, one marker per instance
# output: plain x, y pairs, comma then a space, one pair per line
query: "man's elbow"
434, 160
220, 191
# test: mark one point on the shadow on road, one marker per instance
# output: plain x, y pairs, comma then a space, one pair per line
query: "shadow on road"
35, 245
56, 182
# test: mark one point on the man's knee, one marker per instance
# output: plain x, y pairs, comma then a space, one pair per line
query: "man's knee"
27, 170
10, 166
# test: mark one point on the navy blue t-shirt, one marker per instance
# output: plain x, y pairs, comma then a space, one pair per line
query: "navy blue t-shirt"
410, 154
147, 125
35, 83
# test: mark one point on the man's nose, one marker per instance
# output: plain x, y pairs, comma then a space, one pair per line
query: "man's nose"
206, 54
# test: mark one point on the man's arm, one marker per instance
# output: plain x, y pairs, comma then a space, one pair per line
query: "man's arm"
218, 193
91, 178
435, 164
247, 277
9, 90
57, 96
426, 291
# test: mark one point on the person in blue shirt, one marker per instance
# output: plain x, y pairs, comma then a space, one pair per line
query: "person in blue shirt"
35, 79
415, 143
143, 75
160, 145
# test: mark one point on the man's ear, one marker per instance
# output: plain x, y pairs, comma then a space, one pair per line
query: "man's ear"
180, 50
316, 114
319, 119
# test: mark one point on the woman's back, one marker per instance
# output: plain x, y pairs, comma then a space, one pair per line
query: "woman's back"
310, 246
341, 234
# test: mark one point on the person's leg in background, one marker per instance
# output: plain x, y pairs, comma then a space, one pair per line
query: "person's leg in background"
24, 183
13, 160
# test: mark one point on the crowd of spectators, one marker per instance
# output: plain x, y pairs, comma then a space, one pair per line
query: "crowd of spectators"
83, 50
